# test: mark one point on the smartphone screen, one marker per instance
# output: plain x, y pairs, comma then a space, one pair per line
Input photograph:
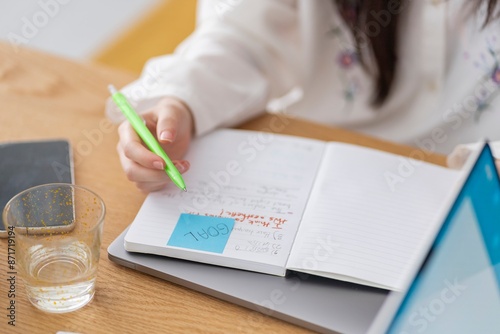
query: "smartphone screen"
27, 164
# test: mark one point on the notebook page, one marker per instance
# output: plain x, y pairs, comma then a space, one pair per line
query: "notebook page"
266, 196
368, 214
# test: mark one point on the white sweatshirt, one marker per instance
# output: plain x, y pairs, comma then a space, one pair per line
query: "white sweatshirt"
298, 57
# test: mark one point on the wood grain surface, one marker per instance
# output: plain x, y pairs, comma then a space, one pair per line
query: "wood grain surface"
42, 96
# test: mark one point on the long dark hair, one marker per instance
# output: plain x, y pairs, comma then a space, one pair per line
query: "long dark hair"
381, 41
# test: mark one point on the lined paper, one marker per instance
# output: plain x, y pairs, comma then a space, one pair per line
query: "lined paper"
368, 215
262, 181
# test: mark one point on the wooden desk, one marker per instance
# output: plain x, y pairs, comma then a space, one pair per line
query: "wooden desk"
43, 96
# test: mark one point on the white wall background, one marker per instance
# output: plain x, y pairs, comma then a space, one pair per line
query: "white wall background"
71, 28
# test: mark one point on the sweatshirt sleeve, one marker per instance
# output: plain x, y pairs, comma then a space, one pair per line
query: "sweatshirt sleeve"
242, 54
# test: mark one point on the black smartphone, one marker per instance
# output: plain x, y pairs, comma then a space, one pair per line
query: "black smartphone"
27, 164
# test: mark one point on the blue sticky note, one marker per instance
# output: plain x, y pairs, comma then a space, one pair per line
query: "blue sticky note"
209, 234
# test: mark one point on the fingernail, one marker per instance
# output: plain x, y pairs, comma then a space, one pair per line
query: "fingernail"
181, 166
158, 165
166, 136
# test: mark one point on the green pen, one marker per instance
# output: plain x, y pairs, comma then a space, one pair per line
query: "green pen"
146, 136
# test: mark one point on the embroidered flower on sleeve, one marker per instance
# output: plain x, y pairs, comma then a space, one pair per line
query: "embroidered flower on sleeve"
496, 75
347, 59
488, 87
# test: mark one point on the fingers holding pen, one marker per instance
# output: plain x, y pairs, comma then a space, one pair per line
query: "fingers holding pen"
131, 147
148, 179
144, 168
171, 123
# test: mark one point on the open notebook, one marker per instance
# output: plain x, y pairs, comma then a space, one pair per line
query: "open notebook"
272, 203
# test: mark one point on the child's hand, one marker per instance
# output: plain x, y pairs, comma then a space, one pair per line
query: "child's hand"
458, 157
460, 154
170, 121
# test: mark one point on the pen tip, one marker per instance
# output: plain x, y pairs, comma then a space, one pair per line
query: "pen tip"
185, 189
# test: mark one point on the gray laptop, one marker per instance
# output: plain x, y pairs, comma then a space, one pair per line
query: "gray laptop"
320, 304
327, 306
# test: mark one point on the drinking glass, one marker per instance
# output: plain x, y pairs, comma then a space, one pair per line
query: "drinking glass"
57, 231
